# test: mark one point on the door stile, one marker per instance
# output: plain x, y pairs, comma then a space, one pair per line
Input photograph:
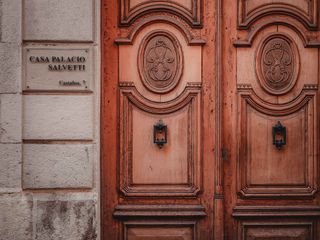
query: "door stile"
220, 153
109, 116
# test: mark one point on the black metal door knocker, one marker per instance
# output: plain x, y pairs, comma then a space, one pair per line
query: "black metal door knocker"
279, 135
160, 135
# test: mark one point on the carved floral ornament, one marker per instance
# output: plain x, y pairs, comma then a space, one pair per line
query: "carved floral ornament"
160, 61
277, 64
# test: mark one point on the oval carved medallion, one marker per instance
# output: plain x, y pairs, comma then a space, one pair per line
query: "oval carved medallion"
160, 61
277, 64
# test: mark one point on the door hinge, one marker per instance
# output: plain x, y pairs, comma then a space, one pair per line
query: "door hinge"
225, 154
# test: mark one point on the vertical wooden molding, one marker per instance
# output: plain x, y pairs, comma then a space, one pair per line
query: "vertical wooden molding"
219, 193
108, 118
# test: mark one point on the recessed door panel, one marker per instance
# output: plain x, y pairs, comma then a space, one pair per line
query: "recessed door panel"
277, 166
277, 231
165, 165
269, 165
305, 11
189, 10
169, 164
173, 231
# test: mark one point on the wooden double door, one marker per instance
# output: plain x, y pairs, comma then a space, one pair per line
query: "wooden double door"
210, 120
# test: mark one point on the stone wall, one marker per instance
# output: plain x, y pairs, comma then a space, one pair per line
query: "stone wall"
49, 134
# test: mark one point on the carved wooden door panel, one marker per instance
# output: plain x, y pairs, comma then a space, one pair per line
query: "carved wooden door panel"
271, 118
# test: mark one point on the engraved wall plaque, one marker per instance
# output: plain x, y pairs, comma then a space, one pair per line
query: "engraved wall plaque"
57, 68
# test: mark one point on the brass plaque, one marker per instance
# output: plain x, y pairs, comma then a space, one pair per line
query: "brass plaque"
57, 68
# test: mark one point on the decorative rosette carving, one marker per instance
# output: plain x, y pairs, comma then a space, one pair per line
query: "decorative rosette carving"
160, 61
277, 64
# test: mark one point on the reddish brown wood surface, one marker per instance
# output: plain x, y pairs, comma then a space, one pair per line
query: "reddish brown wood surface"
220, 76
271, 193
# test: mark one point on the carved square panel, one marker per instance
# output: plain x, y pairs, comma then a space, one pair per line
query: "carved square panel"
276, 231
265, 169
189, 10
304, 11
149, 169
157, 230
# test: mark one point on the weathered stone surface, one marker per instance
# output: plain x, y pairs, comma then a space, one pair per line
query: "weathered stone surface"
10, 118
69, 220
58, 117
15, 217
10, 67
10, 167
57, 166
10, 23
58, 20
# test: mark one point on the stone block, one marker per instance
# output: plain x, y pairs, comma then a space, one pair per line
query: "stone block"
15, 217
64, 20
10, 118
10, 67
66, 219
10, 167
10, 24
58, 117
57, 166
